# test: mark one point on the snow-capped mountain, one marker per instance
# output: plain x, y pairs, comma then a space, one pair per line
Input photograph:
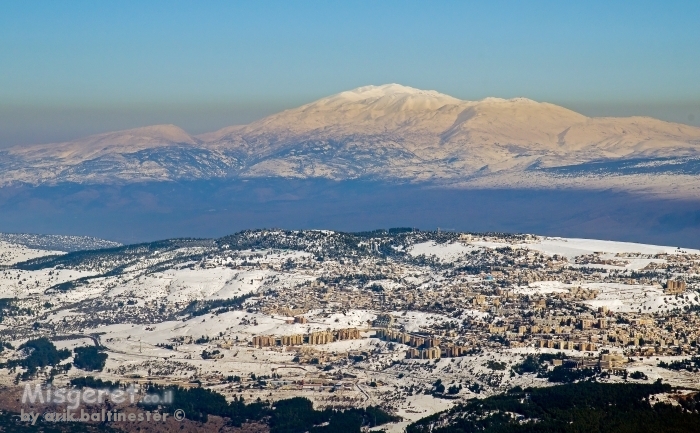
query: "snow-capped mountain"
388, 132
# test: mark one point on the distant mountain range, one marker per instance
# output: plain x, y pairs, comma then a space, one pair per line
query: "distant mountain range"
392, 133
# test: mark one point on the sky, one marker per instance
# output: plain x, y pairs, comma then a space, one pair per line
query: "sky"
70, 69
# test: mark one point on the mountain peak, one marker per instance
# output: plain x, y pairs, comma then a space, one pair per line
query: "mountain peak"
365, 110
519, 99
116, 142
167, 132
391, 90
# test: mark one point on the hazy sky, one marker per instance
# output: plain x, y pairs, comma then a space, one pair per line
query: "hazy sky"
69, 69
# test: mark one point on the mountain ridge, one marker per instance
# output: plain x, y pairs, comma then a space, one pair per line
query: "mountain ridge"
390, 132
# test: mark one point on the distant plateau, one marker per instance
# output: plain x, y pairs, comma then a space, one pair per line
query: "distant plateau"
211, 208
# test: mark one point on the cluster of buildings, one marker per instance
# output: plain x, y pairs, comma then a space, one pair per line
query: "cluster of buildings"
422, 347
606, 361
316, 337
566, 345
500, 287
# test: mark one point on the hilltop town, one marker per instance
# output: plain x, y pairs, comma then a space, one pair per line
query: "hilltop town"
410, 321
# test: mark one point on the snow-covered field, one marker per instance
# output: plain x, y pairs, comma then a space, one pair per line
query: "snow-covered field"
572, 247
448, 252
14, 253
638, 298
544, 287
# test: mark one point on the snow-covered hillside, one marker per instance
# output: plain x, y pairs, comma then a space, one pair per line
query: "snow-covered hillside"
378, 316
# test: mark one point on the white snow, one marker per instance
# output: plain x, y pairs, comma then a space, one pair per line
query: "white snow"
637, 298
447, 252
15, 253
572, 247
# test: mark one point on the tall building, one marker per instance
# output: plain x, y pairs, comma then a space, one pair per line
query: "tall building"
674, 287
